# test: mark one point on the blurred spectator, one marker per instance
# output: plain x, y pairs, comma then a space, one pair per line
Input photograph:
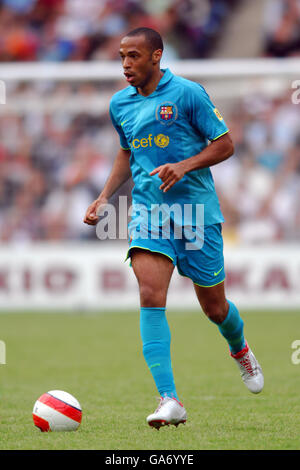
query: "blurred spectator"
282, 28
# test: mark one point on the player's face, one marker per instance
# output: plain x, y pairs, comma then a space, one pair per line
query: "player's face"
138, 60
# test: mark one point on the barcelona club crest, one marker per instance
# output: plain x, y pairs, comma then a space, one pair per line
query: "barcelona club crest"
166, 113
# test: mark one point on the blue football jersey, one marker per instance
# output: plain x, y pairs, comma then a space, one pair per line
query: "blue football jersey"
174, 123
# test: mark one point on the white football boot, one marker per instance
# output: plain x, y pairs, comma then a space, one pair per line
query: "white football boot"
169, 411
250, 369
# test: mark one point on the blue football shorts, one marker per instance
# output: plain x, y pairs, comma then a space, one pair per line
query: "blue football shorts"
197, 254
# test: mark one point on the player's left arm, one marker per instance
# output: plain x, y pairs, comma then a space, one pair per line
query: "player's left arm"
218, 151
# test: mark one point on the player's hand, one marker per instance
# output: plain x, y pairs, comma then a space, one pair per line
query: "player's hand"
91, 215
169, 173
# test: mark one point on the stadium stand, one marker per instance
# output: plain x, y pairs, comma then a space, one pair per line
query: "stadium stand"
54, 163
58, 30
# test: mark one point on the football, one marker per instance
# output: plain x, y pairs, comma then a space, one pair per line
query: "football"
57, 411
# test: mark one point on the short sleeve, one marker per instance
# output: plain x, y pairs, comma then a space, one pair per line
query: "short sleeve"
123, 141
203, 114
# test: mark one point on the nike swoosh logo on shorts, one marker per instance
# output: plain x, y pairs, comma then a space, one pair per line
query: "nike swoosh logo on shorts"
215, 274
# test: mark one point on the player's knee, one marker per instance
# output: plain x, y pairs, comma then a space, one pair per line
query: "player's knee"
216, 312
151, 296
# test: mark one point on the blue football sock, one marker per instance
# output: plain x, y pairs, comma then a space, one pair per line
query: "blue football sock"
232, 328
156, 338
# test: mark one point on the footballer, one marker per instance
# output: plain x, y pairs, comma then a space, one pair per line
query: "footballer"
170, 135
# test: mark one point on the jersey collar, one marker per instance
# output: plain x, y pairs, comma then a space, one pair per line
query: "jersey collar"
167, 76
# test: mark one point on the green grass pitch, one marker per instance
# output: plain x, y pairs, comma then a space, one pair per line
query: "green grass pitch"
98, 359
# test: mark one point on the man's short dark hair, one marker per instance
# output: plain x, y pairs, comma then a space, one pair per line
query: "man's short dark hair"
151, 36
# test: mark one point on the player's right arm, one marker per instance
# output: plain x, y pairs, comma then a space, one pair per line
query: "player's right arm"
119, 174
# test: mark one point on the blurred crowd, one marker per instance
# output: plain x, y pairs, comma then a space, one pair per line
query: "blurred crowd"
57, 143
69, 30
53, 164
259, 187
75, 30
282, 28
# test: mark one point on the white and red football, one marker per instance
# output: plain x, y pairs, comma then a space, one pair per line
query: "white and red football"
57, 411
